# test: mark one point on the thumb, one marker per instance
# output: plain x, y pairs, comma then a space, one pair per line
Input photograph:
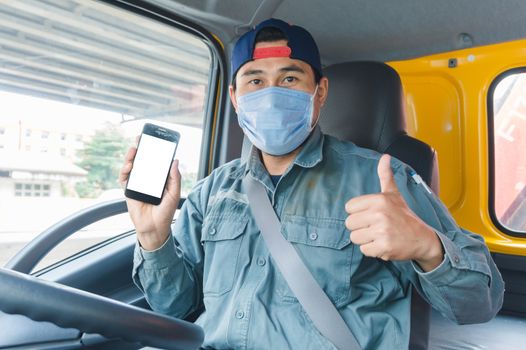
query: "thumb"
385, 174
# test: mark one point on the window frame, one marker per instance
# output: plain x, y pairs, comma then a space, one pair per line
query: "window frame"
491, 152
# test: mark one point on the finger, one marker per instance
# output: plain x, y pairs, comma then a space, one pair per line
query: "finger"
127, 166
363, 219
124, 173
362, 236
362, 203
385, 173
174, 179
130, 155
372, 249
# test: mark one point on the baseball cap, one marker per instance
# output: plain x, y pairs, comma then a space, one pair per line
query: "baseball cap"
301, 43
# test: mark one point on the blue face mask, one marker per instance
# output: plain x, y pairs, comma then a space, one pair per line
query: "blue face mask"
276, 120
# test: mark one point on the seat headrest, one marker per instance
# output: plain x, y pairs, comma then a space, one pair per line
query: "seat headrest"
364, 104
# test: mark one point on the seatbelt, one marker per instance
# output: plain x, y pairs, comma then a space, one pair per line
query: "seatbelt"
310, 295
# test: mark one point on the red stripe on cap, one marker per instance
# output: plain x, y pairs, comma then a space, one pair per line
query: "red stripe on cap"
274, 51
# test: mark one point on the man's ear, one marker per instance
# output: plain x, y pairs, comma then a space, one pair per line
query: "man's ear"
320, 98
232, 94
323, 90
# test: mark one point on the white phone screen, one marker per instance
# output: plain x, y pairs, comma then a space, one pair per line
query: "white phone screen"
151, 165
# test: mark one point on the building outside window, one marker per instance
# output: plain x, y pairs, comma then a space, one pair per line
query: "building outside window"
32, 190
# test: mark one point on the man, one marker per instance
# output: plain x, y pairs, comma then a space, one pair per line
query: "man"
362, 225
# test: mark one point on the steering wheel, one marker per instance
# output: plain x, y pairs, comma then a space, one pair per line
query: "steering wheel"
73, 308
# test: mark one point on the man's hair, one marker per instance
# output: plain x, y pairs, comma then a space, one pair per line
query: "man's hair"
270, 34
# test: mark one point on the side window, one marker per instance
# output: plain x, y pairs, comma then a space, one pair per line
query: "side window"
508, 122
78, 81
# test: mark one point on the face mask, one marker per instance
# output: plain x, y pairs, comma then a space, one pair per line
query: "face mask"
276, 120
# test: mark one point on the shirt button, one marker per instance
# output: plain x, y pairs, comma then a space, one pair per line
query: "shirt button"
212, 232
313, 236
240, 314
261, 261
456, 259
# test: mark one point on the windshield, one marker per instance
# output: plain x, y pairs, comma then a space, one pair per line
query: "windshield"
78, 79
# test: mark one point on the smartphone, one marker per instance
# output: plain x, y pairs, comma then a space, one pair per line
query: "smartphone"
151, 167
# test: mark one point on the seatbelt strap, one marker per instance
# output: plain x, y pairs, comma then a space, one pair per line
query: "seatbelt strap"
310, 295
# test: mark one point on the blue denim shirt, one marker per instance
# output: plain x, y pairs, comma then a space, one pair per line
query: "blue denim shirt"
216, 257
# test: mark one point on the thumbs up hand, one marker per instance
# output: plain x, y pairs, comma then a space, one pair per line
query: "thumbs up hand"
384, 226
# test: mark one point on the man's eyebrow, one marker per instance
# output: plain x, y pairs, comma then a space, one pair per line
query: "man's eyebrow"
292, 68
252, 72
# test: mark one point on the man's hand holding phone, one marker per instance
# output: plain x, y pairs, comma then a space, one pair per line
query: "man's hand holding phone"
151, 208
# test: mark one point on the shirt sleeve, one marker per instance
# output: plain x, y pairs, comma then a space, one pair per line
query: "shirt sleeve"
467, 286
170, 277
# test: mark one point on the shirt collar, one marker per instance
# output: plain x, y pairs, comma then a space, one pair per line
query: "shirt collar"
312, 151
310, 154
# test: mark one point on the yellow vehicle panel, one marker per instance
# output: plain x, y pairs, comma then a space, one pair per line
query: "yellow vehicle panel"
447, 108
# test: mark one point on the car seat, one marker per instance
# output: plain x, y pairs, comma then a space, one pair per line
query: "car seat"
365, 105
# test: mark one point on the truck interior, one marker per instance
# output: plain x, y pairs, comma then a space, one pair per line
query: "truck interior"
440, 85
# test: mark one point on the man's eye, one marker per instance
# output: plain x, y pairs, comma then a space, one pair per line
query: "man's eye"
255, 82
289, 79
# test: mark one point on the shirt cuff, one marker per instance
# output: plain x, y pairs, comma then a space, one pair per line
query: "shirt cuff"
448, 270
162, 257
154, 250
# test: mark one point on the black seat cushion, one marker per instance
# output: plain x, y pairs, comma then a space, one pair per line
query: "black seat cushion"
365, 105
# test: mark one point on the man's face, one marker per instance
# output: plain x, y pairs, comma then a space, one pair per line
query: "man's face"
279, 71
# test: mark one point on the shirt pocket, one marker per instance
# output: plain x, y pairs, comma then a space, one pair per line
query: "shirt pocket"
325, 248
221, 239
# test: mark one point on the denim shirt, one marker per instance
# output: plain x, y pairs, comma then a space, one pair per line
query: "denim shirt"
216, 257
